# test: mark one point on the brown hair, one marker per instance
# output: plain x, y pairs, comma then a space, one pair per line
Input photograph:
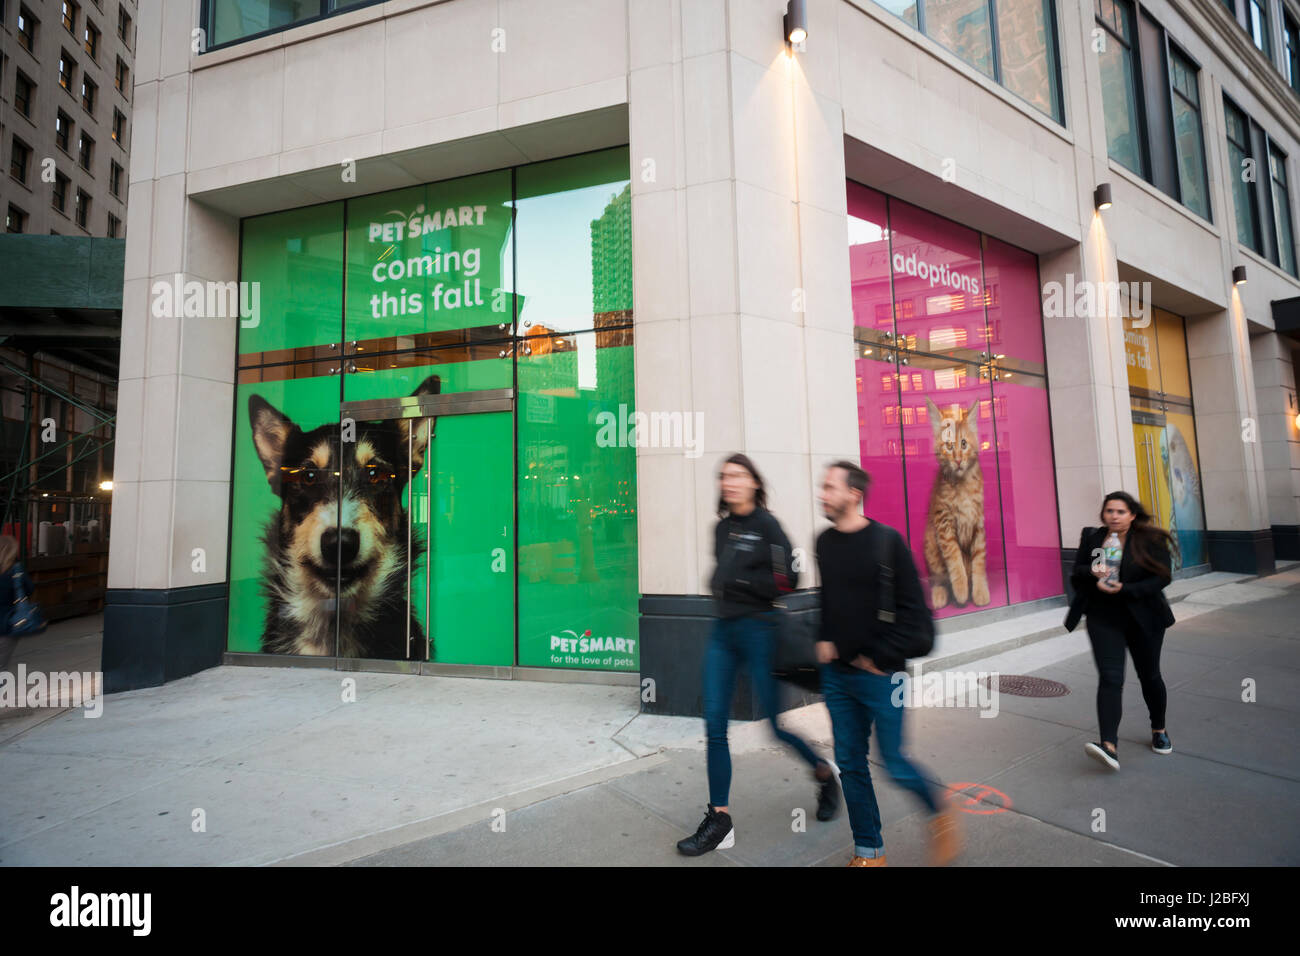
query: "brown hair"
1144, 535
854, 476
760, 493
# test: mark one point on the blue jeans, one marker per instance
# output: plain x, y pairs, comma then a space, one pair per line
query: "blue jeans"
854, 701
735, 641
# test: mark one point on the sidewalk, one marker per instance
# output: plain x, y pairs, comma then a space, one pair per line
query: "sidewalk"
426, 770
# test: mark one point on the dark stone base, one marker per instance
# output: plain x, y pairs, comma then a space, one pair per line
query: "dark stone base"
1242, 552
153, 636
674, 634
1286, 541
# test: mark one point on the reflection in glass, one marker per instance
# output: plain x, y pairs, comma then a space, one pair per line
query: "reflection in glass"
232, 19
1028, 53
962, 26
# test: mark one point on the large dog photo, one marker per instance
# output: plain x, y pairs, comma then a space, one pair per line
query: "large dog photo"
335, 553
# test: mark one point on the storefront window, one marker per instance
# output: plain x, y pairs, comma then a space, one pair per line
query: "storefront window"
952, 403
1164, 432
411, 447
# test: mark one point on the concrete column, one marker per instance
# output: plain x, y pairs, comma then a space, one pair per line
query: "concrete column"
1279, 438
743, 296
1227, 422
167, 561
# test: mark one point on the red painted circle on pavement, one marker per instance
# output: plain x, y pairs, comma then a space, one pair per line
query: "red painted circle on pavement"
978, 798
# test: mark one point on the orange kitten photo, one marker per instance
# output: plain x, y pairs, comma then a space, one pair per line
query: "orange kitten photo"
954, 531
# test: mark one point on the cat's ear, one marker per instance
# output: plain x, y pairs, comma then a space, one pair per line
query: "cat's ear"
971, 413
936, 419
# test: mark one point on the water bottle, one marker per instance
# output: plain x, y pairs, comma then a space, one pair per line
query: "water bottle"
1113, 552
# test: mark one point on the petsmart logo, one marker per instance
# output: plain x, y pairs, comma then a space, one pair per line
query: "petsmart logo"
586, 644
419, 222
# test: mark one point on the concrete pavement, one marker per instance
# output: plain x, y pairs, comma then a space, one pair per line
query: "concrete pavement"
242, 765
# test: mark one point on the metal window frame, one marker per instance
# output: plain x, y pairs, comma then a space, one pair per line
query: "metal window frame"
207, 14
1290, 268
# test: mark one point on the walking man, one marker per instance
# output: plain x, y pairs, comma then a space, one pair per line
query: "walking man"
858, 661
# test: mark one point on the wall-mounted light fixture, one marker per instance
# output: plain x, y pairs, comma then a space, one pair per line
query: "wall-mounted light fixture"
1101, 197
1238, 275
796, 21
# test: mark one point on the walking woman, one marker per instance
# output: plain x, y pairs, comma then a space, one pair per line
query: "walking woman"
1119, 575
753, 569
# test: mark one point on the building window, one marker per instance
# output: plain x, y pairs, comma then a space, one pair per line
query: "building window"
1017, 47
1188, 140
115, 180
92, 41
23, 90
1257, 25
1119, 85
124, 25
67, 70
85, 151
70, 17
20, 158
119, 128
61, 183
121, 76
1241, 168
15, 219
27, 30
88, 91
1282, 209
62, 130
114, 226
83, 208
1291, 49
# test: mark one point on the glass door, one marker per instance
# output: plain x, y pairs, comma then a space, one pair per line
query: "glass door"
424, 541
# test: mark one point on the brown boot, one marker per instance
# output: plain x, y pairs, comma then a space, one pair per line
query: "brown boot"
867, 861
945, 837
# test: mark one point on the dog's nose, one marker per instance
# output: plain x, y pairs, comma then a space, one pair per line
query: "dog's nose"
345, 545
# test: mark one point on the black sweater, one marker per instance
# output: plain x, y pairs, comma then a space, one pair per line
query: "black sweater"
754, 565
850, 575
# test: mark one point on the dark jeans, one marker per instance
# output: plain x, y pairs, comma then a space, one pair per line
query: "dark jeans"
735, 641
1110, 634
855, 700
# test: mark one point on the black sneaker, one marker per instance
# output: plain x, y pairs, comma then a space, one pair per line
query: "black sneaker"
1161, 743
715, 833
1103, 756
828, 797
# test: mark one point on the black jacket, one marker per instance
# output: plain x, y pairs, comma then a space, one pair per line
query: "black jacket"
1143, 589
754, 564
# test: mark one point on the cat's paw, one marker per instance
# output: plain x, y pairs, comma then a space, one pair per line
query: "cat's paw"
980, 592
938, 596
960, 590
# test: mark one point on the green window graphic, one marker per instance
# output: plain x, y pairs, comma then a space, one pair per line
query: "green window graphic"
489, 531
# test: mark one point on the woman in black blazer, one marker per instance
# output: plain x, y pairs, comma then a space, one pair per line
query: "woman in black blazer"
1131, 612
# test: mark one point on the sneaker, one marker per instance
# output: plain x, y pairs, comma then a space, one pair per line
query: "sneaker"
1100, 754
1160, 743
715, 833
828, 797
945, 837
868, 861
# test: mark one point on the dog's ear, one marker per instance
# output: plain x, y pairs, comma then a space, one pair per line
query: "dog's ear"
271, 431
423, 431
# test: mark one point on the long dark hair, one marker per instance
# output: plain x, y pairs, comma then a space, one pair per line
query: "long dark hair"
760, 493
1144, 535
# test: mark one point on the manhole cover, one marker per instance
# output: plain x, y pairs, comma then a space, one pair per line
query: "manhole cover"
1020, 686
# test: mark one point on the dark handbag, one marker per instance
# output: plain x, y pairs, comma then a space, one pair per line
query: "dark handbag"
25, 616
794, 656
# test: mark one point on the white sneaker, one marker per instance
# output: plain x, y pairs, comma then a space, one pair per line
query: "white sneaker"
1102, 755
